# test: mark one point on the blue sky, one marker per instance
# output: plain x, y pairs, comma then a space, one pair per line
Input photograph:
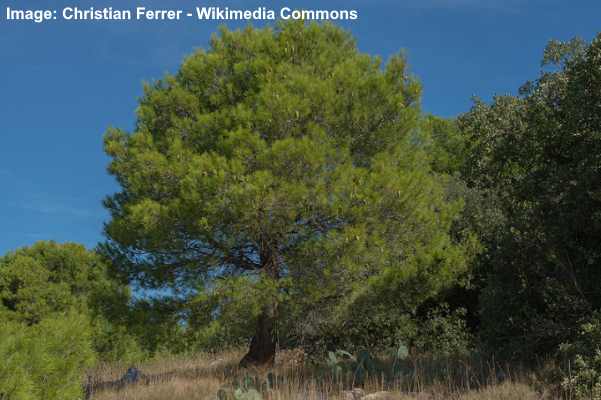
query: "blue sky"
63, 83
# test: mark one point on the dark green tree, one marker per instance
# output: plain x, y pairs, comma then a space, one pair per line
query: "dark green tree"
274, 172
537, 156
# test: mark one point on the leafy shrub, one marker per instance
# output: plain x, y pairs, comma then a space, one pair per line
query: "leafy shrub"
338, 361
444, 333
582, 374
44, 361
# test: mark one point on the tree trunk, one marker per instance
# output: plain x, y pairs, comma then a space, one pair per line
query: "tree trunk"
263, 345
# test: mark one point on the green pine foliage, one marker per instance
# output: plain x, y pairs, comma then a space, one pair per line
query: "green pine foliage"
49, 279
280, 162
45, 361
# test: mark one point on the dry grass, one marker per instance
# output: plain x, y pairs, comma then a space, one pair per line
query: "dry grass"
175, 389
504, 391
202, 376
182, 366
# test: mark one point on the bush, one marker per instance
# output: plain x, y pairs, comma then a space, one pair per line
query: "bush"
582, 373
44, 361
114, 343
444, 333
49, 278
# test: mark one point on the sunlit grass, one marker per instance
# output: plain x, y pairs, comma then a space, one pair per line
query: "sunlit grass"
201, 377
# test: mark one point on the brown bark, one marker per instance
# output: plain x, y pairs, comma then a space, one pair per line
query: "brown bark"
263, 344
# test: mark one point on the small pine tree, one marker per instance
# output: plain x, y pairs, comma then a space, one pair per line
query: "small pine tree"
37, 362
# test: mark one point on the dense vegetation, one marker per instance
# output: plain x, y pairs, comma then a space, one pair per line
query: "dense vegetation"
284, 190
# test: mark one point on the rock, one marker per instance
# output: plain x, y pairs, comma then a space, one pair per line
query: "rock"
355, 394
381, 396
348, 395
133, 375
216, 363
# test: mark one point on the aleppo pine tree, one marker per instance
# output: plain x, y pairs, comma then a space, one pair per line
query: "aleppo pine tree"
279, 164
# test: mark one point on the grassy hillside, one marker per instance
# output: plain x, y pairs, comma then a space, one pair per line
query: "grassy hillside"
217, 376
